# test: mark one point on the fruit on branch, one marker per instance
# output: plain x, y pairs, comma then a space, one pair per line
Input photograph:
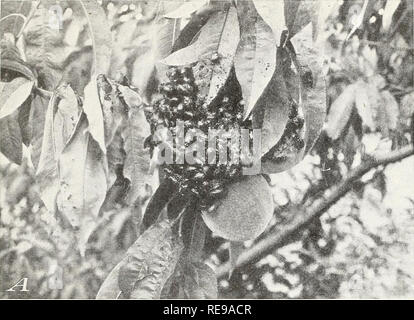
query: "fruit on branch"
241, 218
181, 101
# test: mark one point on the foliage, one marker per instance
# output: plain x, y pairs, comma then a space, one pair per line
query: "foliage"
79, 114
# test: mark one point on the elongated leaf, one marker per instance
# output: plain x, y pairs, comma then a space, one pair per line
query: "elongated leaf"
71, 162
244, 213
199, 281
36, 124
149, 262
159, 200
363, 103
219, 36
11, 144
388, 113
13, 95
166, 30
300, 13
110, 288
272, 109
309, 62
235, 250
273, 13
93, 110
137, 161
255, 59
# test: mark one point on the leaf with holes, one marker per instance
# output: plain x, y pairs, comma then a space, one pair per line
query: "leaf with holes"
137, 162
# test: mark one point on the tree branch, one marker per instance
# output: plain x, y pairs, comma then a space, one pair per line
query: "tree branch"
285, 233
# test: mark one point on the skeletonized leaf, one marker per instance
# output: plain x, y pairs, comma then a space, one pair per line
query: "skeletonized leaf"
340, 112
273, 13
200, 281
11, 138
150, 261
186, 9
219, 36
255, 59
13, 95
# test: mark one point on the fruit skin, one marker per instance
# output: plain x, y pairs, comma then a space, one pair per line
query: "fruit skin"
242, 219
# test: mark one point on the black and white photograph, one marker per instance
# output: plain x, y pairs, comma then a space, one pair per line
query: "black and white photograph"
206, 150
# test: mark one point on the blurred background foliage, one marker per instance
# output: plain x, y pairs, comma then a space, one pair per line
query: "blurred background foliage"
362, 247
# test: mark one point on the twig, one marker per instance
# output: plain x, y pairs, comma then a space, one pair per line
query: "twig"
282, 235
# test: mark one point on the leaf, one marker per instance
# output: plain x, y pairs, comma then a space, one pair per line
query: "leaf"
273, 13
158, 201
363, 103
390, 7
299, 14
93, 110
70, 162
220, 35
340, 112
137, 161
186, 9
193, 231
149, 262
11, 138
255, 59
13, 95
406, 109
272, 109
81, 165
200, 281
109, 288
235, 250
165, 30
45, 49
100, 33
388, 113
